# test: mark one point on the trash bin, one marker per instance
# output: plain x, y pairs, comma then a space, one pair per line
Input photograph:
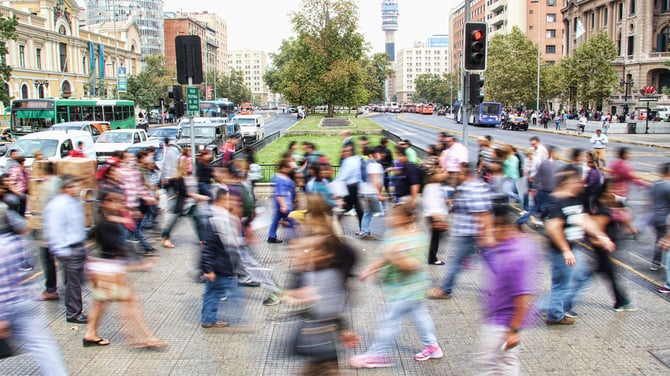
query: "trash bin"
631, 128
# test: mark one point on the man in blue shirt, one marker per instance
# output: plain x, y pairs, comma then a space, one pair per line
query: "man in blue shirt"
65, 234
284, 194
350, 174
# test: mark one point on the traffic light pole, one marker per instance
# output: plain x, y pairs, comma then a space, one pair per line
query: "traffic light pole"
191, 123
465, 104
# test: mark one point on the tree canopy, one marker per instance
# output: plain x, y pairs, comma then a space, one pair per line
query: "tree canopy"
322, 64
433, 88
232, 86
7, 32
590, 70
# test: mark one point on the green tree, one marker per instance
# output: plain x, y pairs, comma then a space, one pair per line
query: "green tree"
511, 74
232, 86
591, 71
322, 65
147, 87
376, 69
7, 32
433, 88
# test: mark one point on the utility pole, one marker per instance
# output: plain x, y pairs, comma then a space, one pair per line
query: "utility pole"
116, 50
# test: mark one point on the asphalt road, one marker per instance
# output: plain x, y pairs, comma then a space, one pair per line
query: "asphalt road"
278, 122
634, 254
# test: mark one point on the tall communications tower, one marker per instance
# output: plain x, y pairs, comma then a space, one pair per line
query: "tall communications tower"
390, 25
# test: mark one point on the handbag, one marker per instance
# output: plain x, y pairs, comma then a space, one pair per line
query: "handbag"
317, 338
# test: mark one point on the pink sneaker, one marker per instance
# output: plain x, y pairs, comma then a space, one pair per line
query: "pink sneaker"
370, 361
430, 352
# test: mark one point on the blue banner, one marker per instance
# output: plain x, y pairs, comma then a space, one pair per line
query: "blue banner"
102, 61
91, 56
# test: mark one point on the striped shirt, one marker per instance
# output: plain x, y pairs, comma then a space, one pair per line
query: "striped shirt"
471, 197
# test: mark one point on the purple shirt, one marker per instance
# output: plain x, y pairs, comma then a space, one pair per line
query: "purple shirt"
512, 264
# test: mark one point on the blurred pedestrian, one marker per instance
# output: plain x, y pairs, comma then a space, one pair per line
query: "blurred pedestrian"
52, 186
204, 172
19, 318
283, 197
370, 190
109, 279
660, 202
78, 152
407, 178
135, 192
512, 263
623, 174
20, 177
65, 233
350, 175
404, 278
566, 224
436, 211
452, 158
470, 226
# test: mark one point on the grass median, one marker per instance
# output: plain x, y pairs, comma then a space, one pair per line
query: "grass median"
311, 123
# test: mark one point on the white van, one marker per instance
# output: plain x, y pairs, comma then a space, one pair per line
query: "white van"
54, 145
251, 126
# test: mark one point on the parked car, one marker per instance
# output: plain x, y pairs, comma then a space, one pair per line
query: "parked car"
515, 123
95, 128
117, 139
161, 133
54, 145
208, 136
441, 111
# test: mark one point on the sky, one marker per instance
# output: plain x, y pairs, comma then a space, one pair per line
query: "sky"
262, 24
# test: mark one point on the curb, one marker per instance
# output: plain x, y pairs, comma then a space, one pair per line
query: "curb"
637, 143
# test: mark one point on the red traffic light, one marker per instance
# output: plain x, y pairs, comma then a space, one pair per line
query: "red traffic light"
477, 35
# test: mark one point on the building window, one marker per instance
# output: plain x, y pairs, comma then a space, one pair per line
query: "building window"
620, 11
551, 17
551, 33
551, 3
605, 16
632, 7
663, 40
593, 20
24, 91
551, 49
631, 45
22, 56
62, 49
38, 58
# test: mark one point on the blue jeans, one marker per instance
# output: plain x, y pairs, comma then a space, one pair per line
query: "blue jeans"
391, 322
566, 282
30, 331
149, 216
510, 189
277, 216
139, 235
541, 203
214, 291
371, 205
462, 246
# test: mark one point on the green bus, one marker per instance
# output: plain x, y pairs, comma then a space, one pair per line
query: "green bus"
34, 115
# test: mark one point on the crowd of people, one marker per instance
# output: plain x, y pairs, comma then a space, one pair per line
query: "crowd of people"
479, 203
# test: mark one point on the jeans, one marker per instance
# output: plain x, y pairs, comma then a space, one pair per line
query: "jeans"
30, 331
149, 216
277, 216
657, 258
171, 220
139, 235
351, 201
510, 189
462, 246
391, 322
541, 202
491, 360
74, 278
50, 273
371, 205
214, 291
566, 282
205, 189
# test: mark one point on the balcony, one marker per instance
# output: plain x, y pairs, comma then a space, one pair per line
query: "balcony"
497, 20
498, 5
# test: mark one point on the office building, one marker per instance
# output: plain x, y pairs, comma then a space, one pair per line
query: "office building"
252, 64
415, 61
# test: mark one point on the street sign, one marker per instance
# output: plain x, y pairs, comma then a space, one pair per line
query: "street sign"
122, 80
648, 99
192, 100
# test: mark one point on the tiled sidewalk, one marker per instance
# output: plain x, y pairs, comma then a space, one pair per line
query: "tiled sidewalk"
601, 343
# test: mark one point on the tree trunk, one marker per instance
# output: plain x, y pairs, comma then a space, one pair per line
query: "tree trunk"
331, 109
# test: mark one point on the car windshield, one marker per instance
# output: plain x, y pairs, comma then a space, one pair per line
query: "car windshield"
165, 132
205, 132
27, 148
66, 127
115, 138
245, 122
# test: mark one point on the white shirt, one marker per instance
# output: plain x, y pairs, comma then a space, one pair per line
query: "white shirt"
453, 157
434, 197
599, 142
372, 168
541, 153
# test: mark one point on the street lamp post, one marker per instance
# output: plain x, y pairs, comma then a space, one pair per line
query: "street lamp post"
539, 44
626, 83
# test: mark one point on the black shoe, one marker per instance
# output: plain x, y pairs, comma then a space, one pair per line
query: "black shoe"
81, 319
153, 252
249, 284
274, 241
25, 266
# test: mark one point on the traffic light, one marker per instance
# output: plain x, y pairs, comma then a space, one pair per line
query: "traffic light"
171, 92
179, 108
174, 92
475, 84
475, 46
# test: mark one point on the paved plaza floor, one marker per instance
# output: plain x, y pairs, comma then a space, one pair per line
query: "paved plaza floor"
602, 342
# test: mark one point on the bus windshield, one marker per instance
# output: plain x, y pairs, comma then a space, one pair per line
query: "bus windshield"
490, 109
28, 121
27, 148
